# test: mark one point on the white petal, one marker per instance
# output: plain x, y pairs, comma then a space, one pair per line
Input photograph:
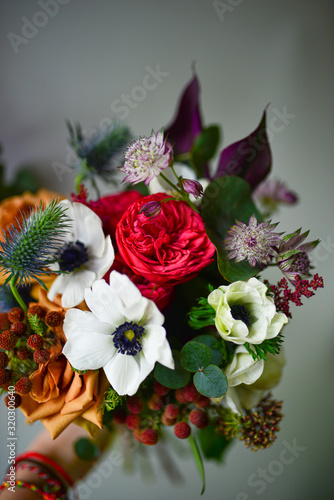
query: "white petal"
104, 303
73, 294
78, 323
89, 352
276, 325
124, 288
122, 371
59, 285
100, 265
156, 347
88, 229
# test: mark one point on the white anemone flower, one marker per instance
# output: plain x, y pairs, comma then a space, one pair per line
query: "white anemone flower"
122, 333
244, 312
86, 254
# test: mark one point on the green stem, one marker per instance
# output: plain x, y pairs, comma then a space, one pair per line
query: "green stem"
182, 157
12, 284
198, 459
180, 192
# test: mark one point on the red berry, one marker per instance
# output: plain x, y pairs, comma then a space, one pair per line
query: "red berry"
16, 314
54, 318
155, 403
35, 341
135, 405
191, 393
5, 376
179, 396
202, 402
13, 400
23, 386
23, 353
3, 359
8, 340
132, 421
149, 437
167, 421
172, 411
38, 311
199, 418
19, 328
137, 434
41, 356
182, 430
4, 321
160, 389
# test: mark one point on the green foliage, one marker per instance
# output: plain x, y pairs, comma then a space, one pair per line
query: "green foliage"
211, 381
174, 379
198, 459
216, 346
195, 356
24, 180
272, 346
86, 449
111, 400
202, 315
226, 200
213, 445
204, 148
37, 325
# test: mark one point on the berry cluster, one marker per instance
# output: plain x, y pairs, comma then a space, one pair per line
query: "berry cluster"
25, 341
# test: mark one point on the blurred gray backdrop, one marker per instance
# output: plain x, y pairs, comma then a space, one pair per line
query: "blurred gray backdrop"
76, 60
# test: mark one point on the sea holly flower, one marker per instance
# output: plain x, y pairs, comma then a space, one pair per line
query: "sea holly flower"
122, 333
255, 242
292, 257
146, 158
244, 312
85, 256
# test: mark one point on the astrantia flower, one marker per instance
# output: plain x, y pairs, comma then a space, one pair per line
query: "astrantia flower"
254, 242
271, 193
85, 256
146, 158
292, 257
122, 333
244, 313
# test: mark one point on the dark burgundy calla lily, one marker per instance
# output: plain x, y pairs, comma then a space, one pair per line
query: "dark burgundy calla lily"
249, 158
187, 123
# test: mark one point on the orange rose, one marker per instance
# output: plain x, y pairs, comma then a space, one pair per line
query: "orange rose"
60, 395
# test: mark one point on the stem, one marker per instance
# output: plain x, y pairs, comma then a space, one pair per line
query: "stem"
182, 157
98, 194
180, 193
12, 284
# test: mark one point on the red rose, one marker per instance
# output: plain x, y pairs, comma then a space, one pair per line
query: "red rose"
169, 249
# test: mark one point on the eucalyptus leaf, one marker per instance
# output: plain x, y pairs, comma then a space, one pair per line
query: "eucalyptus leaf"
211, 382
174, 379
214, 344
195, 356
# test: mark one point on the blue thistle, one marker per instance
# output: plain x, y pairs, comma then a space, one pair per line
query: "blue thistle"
96, 155
29, 249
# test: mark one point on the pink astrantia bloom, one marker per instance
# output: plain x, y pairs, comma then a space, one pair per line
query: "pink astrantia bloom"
272, 193
255, 242
146, 158
292, 257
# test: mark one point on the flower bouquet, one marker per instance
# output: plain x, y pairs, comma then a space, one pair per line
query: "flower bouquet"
148, 309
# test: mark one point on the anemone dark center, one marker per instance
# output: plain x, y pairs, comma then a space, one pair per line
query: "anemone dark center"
126, 338
241, 312
72, 256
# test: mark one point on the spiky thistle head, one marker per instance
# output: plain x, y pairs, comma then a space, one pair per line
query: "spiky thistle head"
29, 249
97, 152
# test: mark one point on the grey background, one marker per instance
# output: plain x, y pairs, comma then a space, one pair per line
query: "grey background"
257, 52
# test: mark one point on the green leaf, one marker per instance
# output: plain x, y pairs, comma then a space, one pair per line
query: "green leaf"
204, 148
214, 345
226, 200
198, 459
195, 356
211, 381
212, 444
86, 449
174, 379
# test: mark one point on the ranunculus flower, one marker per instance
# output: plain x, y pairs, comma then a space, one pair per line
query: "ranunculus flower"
244, 312
60, 395
169, 249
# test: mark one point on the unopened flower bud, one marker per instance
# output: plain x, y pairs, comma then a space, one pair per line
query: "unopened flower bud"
192, 187
151, 209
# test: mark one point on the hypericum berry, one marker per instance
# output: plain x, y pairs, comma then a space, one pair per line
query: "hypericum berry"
149, 437
202, 402
4, 321
132, 421
38, 311
155, 403
199, 418
23, 386
135, 405
182, 430
16, 314
35, 341
179, 396
41, 356
5, 376
161, 389
13, 400
167, 421
119, 416
172, 411
3, 359
137, 433
19, 328
8, 340
54, 318
190, 393
23, 353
